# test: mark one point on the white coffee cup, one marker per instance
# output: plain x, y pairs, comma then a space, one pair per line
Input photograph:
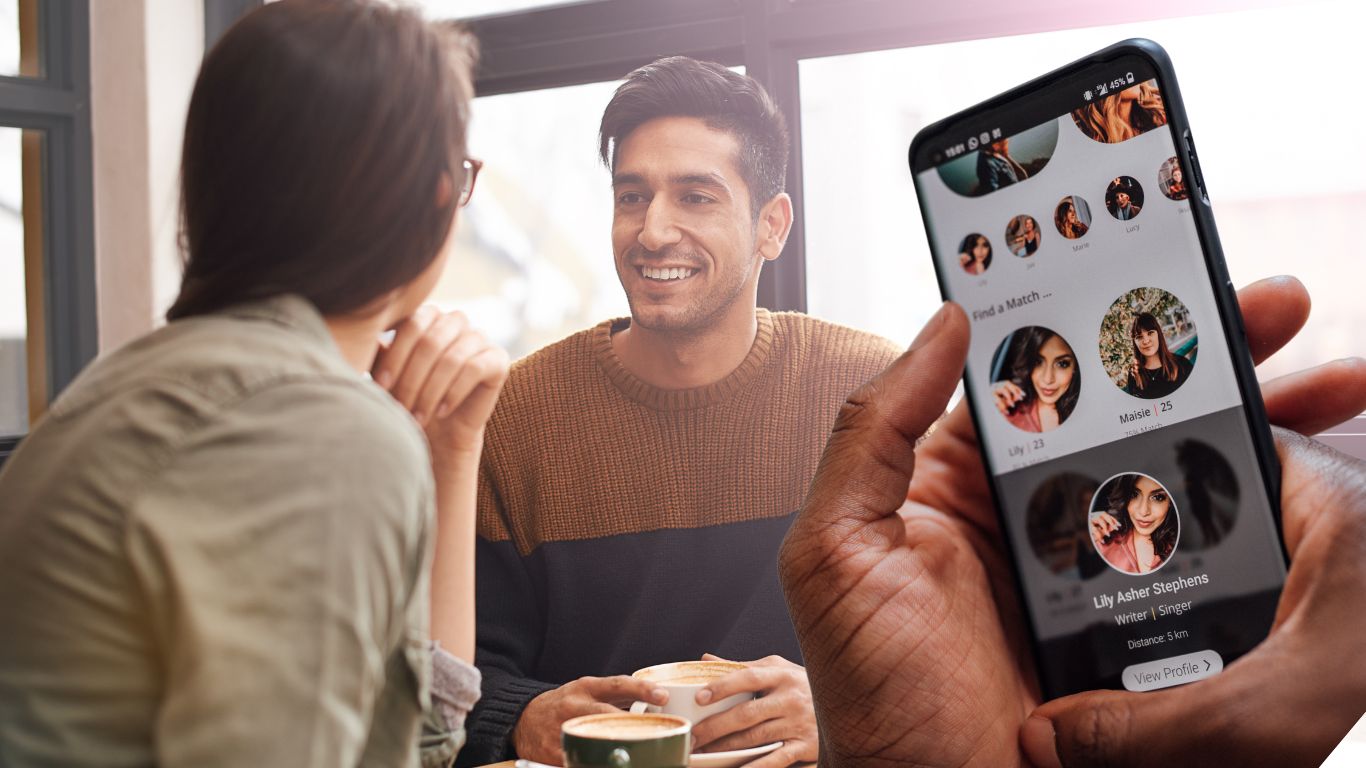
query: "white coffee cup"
683, 679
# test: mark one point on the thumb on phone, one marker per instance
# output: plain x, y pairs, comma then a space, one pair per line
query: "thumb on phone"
1119, 728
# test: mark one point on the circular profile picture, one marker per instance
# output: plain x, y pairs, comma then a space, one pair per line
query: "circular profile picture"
1148, 343
1170, 180
974, 254
1072, 217
1123, 114
1133, 522
1124, 198
1056, 525
1023, 236
1210, 501
1000, 161
1035, 380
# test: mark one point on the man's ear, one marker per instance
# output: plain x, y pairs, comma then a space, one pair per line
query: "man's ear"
775, 222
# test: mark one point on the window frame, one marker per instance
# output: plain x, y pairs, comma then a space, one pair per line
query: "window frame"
57, 103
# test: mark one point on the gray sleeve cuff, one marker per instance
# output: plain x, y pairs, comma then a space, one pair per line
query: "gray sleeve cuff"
455, 687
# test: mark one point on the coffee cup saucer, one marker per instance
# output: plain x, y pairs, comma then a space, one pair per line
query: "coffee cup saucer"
730, 759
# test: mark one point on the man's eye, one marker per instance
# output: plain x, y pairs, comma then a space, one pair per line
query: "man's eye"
630, 198
696, 199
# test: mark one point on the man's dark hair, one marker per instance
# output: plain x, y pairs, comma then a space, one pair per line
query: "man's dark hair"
317, 138
682, 87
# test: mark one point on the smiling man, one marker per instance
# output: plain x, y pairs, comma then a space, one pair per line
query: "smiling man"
638, 477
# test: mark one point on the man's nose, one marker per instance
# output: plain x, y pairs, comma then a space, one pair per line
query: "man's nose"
660, 230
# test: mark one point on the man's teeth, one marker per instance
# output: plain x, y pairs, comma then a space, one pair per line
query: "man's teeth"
675, 273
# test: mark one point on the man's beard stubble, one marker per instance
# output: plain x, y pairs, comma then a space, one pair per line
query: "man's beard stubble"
700, 316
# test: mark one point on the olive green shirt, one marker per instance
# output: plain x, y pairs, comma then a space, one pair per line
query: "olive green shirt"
214, 551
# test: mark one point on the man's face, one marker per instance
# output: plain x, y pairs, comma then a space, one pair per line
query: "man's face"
682, 231
1122, 198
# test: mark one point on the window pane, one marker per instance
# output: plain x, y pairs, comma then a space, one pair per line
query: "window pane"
19, 38
14, 305
9, 37
533, 260
1279, 208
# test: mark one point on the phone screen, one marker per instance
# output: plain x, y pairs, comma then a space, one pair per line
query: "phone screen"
1103, 382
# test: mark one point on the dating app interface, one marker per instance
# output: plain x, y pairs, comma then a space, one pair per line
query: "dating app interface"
1107, 401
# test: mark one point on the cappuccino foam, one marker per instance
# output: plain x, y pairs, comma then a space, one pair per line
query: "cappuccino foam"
624, 727
688, 672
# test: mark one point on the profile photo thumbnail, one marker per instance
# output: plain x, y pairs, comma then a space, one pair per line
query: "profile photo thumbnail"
974, 254
1072, 217
1035, 382
1171, 181
1211, 494
1055, 522
1123, 114
1001, 162
1124, 198
1148, 343
1134, 523
1023, 236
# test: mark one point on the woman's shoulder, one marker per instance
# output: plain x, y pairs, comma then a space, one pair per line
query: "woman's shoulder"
1116, 552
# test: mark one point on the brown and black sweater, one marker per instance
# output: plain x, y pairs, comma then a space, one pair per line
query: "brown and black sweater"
623, 525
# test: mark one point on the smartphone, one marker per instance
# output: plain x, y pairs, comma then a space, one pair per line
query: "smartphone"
1108, 375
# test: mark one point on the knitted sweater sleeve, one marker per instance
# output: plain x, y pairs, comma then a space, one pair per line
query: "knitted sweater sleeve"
510, 625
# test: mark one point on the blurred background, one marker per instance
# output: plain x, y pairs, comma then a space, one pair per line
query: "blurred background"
92, 95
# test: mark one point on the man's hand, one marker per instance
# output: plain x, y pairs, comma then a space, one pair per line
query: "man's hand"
913, 638
448, 375
1310, 665
537, 734
782, 712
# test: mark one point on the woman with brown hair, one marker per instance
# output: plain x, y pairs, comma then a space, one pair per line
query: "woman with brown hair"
974, 255
1123, 115
218, 542
1137, 530
1037, 382
1155, 370
1070, 223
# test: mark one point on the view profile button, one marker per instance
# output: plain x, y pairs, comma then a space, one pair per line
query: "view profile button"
1151, 675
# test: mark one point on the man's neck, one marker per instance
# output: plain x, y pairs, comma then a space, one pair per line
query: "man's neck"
671, 360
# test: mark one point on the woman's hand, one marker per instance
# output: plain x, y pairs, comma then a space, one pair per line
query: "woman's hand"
448, 375
1103, 524
1007, 395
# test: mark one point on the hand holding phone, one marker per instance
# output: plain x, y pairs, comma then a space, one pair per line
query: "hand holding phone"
914, 638
1108, 375
1307, 666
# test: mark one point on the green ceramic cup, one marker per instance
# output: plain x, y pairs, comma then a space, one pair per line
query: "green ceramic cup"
627, 740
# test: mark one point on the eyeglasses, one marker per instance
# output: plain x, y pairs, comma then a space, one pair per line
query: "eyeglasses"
470, 167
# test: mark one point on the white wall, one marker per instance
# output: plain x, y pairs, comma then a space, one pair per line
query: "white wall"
144, 56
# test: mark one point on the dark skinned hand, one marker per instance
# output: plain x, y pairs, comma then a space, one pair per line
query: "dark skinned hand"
914, 643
